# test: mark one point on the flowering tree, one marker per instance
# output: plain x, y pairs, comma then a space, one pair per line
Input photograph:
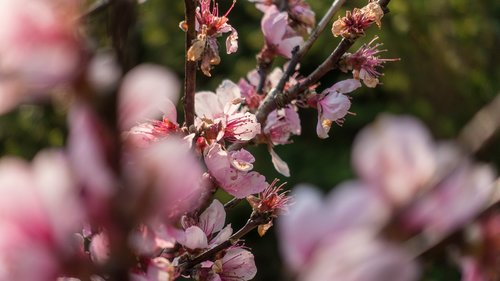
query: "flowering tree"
132, 194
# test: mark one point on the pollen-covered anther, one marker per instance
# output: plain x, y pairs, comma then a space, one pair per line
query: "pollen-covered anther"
273, 200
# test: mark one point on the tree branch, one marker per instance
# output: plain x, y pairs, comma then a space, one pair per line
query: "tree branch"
190, 66
277, 98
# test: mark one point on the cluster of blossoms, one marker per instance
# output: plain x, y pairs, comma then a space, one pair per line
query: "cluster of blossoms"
131, 197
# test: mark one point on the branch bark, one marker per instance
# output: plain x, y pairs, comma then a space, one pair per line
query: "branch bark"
189, 66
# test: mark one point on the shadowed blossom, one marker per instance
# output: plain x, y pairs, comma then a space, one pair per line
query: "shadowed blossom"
396, 156
312, 219
219, 117
39, 213
237, 264
333, 105
280, 38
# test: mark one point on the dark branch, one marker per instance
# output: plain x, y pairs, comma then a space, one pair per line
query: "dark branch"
190, 66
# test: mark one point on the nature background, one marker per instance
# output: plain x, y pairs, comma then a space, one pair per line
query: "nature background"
449, 68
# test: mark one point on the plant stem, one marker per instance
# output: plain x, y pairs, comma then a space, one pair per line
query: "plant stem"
190, 66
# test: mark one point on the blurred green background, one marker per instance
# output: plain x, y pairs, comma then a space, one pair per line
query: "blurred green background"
449, 68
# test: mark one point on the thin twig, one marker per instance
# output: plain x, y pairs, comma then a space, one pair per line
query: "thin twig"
232, 203
190, 66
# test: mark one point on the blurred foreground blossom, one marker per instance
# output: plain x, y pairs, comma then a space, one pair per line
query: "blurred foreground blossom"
317, 232
146, 92
39, 48
39, 212
396, 156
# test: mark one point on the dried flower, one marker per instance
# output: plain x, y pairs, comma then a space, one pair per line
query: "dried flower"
209, 26
355, 23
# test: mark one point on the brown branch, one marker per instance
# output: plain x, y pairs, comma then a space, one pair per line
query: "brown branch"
190, 66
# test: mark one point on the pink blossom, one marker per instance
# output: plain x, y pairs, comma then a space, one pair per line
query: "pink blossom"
201, 234
147, 92
365, 63
39, 212
301, 14
281, 124
313, 220
218, 112
237, 264
359, 257
38, 46
333, 105
396, 156
279, 38
232, 171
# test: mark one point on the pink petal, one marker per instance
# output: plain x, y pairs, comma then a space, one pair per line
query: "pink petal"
238, 264
286, 46
344, 87
87, 150
322, 130
207, 105
213, 218
395, 156
356, 257
280, 165
229, 96
194, 238
334, 106
274, 25
222, 236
